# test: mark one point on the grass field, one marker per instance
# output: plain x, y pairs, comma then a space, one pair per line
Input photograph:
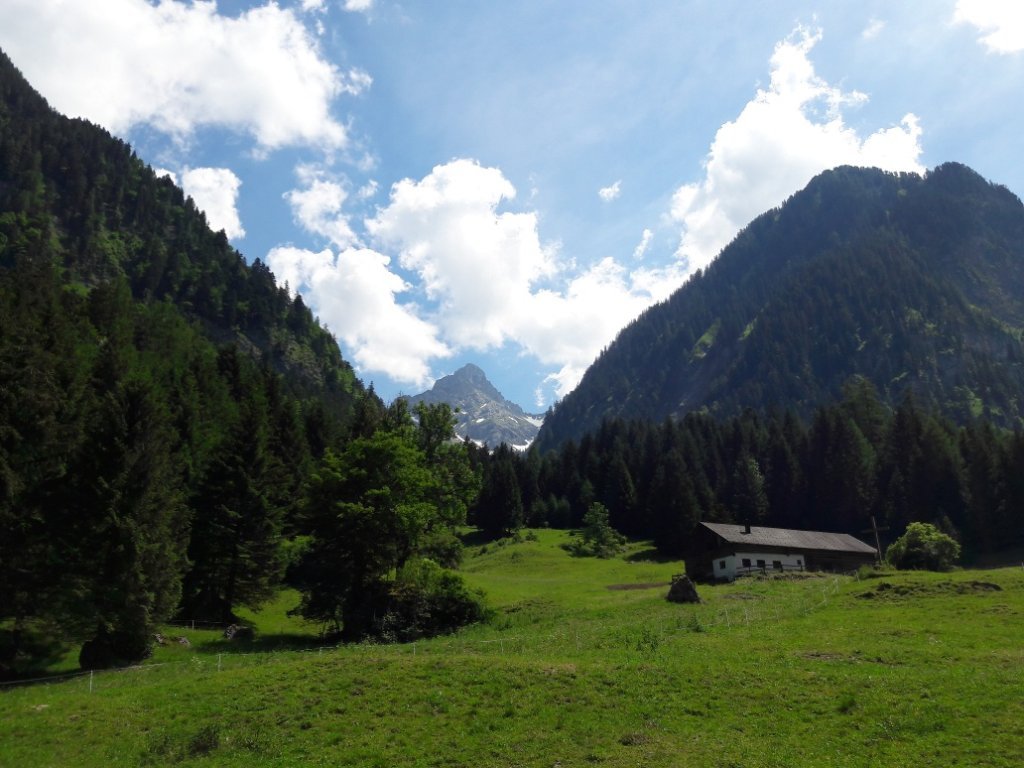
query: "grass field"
584, 663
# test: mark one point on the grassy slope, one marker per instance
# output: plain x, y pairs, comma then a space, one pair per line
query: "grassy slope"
926, 671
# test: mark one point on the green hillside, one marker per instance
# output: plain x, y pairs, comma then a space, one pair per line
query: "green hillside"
584, 663
914, 283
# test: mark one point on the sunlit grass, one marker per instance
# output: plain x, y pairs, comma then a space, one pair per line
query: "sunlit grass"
925, 670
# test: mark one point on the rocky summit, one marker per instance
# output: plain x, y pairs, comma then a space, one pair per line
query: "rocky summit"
482, 412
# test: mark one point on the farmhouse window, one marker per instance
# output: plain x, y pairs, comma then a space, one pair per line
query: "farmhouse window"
777, 565
746, 562
760, 563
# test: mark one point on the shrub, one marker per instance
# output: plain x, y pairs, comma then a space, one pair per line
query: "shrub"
443, 547
923, 547
427, 600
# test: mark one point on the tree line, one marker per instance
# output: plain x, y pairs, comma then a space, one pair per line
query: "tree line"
850, 461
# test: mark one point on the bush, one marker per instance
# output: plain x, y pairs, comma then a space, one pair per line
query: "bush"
923, 547
115, 648
443, 547
427, 600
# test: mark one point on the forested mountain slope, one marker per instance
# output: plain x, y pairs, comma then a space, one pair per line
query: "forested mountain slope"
161, 401
915, 283
76, 197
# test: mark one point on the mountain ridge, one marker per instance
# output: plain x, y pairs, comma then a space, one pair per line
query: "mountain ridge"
914, 282
80, 197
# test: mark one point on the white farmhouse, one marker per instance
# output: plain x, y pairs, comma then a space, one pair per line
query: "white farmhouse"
723, 551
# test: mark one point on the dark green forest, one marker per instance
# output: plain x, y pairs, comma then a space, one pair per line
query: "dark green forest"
180, 437
163, 406
852, 460
914, 283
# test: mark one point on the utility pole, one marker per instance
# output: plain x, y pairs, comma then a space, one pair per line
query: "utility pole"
878, 542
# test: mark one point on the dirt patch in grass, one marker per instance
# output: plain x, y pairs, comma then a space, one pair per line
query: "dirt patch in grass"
890, 591
647, 585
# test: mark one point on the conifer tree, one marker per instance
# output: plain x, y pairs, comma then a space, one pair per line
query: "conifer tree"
235, 541
132, 524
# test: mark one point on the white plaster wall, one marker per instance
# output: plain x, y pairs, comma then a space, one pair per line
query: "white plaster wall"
734, 562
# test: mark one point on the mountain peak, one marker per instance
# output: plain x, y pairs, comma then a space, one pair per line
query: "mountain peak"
483, 414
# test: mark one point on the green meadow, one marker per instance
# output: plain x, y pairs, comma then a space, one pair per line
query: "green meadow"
583, 663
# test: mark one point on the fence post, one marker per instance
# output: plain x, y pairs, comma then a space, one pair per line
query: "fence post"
90, 680
218, 661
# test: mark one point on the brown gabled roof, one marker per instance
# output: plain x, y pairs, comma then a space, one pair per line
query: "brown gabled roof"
785, 537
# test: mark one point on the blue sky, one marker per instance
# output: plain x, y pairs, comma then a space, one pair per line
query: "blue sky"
511, 183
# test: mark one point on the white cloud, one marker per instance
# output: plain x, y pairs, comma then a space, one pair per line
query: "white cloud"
318, 207
488, 272
358, 5
486, 277
178, 66
611, 192
215, 192
477, 263
782, 138
318, 6
1001, 22
570, 329
368, 190
873, 29
354, 293
643, 245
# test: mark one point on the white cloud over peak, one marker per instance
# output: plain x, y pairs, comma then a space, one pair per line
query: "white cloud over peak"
782, 138
354, 293
610, 192
177, 66
215, 192
1001, 22
486, 279
478, 263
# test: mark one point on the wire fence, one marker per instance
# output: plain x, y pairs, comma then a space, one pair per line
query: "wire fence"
572, 640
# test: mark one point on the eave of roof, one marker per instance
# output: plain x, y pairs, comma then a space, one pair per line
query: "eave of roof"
785, 537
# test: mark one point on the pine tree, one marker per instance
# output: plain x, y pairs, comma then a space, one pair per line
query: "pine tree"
131, 522
235, 541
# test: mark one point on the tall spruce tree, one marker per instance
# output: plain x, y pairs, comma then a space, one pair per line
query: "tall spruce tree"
131, 521
235, 543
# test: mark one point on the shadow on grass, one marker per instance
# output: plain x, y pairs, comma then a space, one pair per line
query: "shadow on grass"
650, 556
475, 538
263, 644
